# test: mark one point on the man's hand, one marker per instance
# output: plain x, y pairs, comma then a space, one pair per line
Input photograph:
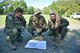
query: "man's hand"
15, 30
39, 29
40, 25
52, 27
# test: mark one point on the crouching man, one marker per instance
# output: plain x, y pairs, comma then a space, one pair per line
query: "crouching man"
14, 25
57, 25
37, 23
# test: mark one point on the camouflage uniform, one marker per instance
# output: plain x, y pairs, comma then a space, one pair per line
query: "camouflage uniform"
14, 26
62, 28
37, 24
60, 24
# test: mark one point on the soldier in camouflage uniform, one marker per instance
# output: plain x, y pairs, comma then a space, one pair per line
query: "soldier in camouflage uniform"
37, 23
57, 25
14, 24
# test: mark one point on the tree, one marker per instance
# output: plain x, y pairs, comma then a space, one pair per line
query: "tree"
4, 5
64, 6
11, 5
30, 10
45, 10
20, 3
1, 9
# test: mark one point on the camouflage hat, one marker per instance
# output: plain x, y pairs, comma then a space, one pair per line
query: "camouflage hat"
52, 12
37, 10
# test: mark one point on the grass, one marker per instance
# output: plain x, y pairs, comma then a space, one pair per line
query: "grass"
2, 20
28, 16
3, 17
73, 21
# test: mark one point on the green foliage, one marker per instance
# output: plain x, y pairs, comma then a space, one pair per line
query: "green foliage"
27, 17
63, 7
30, 10
46, 10
11, 5
1, 11
20, 3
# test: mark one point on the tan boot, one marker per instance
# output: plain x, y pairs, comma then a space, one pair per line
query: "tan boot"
7, 38
55, 38
61, 43
33, 37
36, 38
40, 37
13, 46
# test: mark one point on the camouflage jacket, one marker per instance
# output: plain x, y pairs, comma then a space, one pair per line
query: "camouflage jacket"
35, 22
58, 23
14, 22
64, 22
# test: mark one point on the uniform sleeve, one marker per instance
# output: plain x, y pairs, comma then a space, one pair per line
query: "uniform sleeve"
9, 22
57, 23
45, 24
49, 24
23, 22
30, 22
64, 23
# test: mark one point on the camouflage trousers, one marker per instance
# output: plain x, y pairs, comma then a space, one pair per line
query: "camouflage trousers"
14, 35
35, 33
61, 30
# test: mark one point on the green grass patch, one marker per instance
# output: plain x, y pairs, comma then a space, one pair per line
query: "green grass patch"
2, 19
27, 17
71, 20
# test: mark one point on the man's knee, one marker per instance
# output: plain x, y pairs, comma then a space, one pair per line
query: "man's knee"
64, 29
63, 32
14, 31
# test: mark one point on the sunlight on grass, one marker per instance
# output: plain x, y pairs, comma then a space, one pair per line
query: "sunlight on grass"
71, 20
28, 16
2, 20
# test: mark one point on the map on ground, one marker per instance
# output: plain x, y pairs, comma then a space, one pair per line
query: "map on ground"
36, 44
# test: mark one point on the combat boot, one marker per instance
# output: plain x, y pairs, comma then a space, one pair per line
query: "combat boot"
61, 43
55, 38
40, 37
33, 37
19, 39
13, 46
7, 38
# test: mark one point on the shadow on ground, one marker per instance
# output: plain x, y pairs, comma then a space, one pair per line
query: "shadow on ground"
71, 44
